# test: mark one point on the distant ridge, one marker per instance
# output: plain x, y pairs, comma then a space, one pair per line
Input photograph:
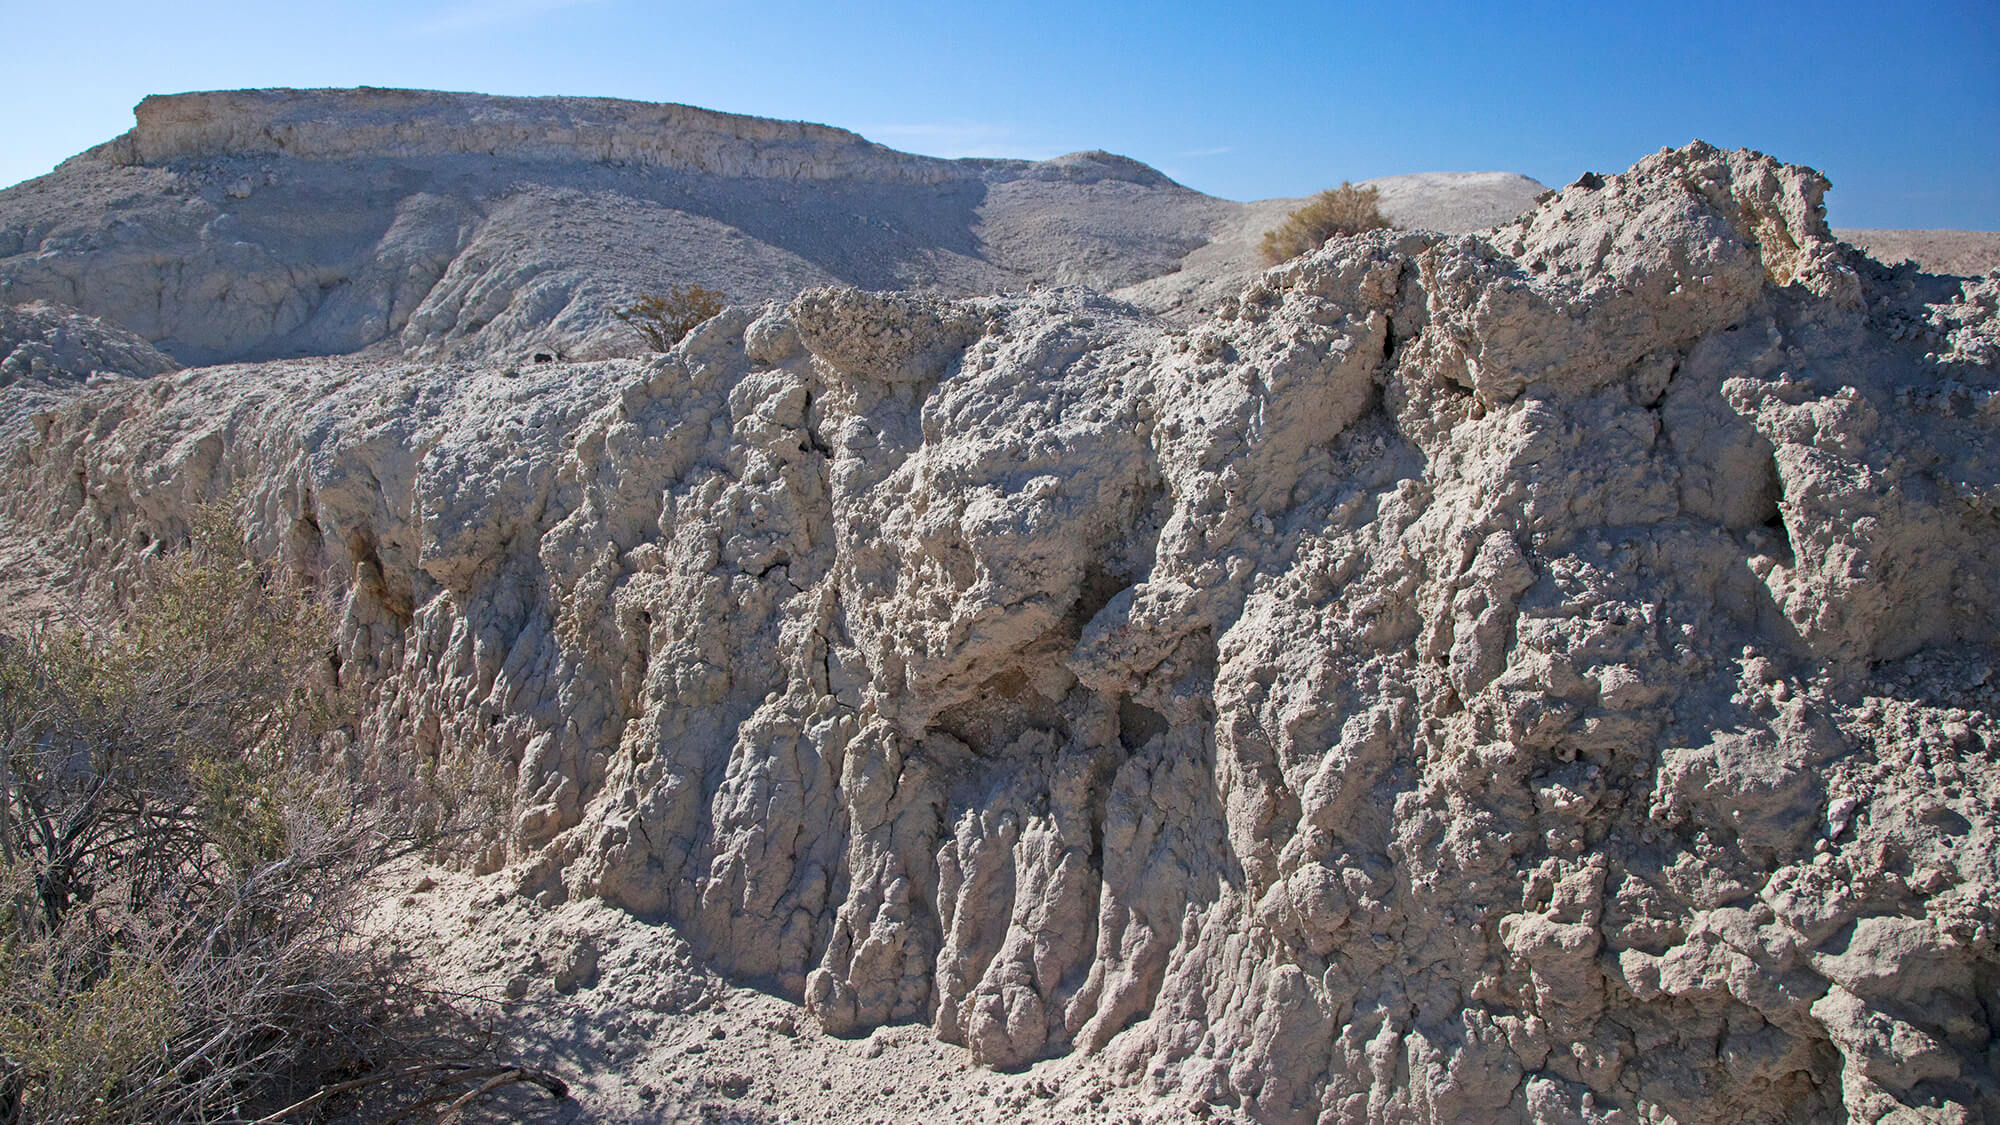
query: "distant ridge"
262, 224
375, 123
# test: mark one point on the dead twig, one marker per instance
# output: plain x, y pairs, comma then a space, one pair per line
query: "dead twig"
490, 1076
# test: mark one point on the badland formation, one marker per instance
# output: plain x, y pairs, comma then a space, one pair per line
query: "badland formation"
1536, 663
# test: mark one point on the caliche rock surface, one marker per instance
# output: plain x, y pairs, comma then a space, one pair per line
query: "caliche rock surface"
1544, 675
50, 345
49, 351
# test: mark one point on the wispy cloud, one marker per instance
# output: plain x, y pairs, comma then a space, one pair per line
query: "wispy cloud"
961, 138
475, 15
1218, 151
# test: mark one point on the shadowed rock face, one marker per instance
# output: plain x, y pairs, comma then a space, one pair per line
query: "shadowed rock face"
1540, 675
258, 224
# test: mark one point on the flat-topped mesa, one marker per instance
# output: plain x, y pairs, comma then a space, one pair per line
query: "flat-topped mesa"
370, 123
406, 124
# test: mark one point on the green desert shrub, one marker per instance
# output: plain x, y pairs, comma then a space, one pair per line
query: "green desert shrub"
177, 883
1343, 210
663, 318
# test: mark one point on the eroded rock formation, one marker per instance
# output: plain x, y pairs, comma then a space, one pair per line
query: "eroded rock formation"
48, 351
1539, 675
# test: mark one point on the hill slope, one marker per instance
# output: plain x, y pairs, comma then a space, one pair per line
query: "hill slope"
258, 224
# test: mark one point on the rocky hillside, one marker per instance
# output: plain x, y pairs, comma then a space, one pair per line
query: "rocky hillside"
267, 223
1543, 675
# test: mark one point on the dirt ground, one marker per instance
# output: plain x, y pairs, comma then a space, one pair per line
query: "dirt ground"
623, 1012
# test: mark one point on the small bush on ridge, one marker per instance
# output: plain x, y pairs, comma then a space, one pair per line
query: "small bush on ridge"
1343, 210
663, 318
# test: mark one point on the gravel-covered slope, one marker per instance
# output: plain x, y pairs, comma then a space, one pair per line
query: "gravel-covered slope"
1540, 675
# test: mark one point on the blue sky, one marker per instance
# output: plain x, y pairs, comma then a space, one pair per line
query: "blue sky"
1899, 104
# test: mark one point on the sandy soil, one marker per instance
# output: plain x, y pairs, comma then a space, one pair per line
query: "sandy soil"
1962, 253
624, 1012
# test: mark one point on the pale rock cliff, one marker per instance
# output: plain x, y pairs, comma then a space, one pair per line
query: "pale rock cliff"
400, 124
1542, 675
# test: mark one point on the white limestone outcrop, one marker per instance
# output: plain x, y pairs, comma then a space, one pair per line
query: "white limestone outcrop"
1543, 675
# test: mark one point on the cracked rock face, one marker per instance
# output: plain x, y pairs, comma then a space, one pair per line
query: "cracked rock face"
1543, 675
